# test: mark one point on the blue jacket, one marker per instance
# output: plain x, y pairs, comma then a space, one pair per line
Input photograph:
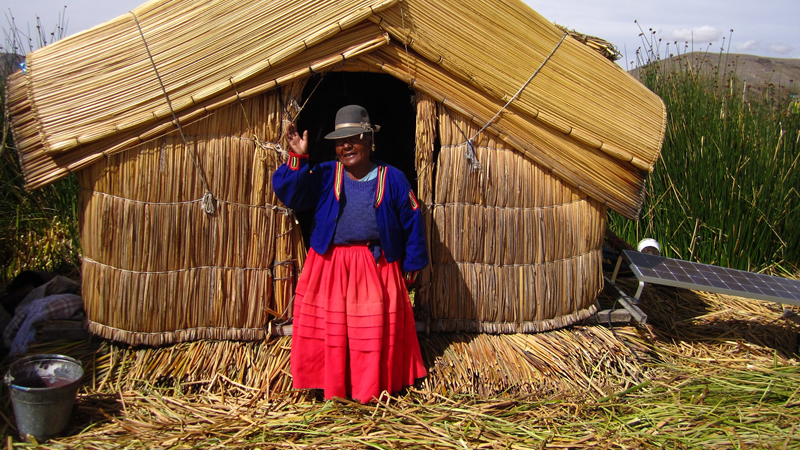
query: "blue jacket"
400, 225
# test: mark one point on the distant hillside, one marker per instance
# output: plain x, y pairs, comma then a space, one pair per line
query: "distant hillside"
780, 75
758, 70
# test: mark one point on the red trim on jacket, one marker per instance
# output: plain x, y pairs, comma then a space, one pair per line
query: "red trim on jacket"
294, 160
413, 199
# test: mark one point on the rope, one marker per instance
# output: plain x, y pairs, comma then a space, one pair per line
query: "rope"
278, 321
591, 252
208, 198
189, 269
244, 112
279, 209
300, 108
470, 155
260, 144
268, 145
505, 208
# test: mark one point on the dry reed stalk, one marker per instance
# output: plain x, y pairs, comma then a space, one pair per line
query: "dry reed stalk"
173, 419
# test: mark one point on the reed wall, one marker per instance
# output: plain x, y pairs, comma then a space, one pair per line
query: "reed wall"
514, 248
157, 267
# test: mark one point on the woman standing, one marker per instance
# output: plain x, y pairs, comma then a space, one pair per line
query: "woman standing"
354, 333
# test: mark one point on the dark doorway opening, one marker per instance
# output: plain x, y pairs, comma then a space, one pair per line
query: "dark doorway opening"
390, 104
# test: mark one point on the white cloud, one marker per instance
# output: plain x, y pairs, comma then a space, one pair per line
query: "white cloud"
781, 49
750, 45
701, 35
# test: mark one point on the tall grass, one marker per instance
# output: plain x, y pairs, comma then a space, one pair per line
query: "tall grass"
725, 190
39, 228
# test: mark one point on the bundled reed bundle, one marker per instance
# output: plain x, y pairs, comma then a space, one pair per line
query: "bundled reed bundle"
424, 162
157, 267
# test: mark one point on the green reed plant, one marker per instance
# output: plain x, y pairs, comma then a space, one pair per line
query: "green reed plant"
39, 228
725, 190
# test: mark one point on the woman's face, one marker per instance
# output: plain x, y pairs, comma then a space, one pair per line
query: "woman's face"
353, 152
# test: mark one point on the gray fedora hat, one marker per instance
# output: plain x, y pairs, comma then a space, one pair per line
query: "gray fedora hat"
350, 121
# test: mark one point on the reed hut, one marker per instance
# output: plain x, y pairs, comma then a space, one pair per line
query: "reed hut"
171, 118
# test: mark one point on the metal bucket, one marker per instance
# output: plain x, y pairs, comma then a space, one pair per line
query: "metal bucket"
43, 390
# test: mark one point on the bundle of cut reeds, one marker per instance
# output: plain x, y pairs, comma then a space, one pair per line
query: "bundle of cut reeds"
569, 362
424, 162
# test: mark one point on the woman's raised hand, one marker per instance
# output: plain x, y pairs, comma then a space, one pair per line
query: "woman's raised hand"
297, 144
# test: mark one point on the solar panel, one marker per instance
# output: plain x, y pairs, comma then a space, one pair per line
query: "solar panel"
704, 277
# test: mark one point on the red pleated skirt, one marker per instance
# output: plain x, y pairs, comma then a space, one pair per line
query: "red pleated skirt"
354, 333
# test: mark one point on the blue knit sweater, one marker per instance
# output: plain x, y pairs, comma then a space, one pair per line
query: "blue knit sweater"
357, 221
401, 230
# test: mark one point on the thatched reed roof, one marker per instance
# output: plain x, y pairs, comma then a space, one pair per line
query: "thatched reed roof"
98, 92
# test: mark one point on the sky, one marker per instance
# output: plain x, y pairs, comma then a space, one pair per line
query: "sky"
769, 28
